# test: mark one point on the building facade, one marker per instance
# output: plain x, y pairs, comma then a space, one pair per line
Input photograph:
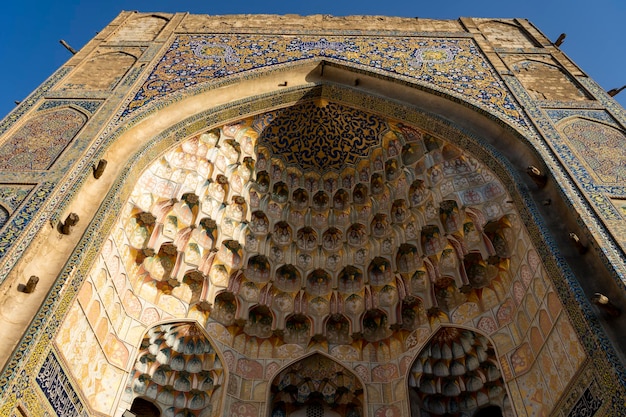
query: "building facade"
314, 216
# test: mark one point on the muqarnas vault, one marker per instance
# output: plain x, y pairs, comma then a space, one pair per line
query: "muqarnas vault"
313, 216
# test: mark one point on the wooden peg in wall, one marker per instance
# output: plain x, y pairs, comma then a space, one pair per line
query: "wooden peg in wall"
68, 47
603, 302
70, 221
537, 176
98, 170
30, 285
615, 91
582, 249
560, 39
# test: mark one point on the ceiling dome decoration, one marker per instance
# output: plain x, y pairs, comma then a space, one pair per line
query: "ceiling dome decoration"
455, 374
378, 229
178, 370
320, 136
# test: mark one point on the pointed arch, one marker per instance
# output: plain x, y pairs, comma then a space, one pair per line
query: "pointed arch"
320, 381
208, 126
378, 301
426, 116
325, 69
178, 370
142, 407
456, 371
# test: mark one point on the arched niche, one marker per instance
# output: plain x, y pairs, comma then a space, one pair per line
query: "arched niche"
599, 145
144, 28
316, 384
489, 411
506, 35
110, 68
41, 139
548, 81
178, 371
456, 373
144, 408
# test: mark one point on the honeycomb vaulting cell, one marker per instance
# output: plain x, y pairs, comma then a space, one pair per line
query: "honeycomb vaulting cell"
320, 222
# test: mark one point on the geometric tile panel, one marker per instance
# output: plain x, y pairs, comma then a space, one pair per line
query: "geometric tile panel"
38, 143
16, 222
601, 147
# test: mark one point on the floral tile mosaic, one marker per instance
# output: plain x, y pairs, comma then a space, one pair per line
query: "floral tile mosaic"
556, 115
90, 106
12, 195
455, 66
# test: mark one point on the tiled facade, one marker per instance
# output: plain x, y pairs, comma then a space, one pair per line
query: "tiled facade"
314, 215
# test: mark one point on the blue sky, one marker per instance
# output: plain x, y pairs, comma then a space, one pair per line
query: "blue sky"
30, 30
